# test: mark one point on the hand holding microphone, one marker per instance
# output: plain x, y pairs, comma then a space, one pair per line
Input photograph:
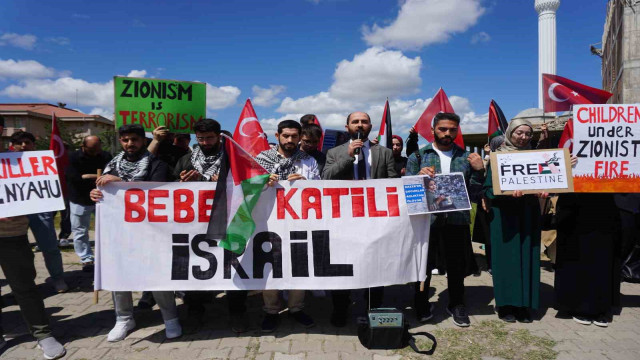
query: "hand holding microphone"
356, 144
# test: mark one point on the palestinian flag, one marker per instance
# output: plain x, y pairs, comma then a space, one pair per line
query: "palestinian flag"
239, 186
385, 137
497, 121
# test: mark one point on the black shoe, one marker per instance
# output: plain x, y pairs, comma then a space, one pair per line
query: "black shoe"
338, 318
88, 267
302, 318
424, 312
601, 320
459, 315
270, 323
505, 313
523, 315
239, 323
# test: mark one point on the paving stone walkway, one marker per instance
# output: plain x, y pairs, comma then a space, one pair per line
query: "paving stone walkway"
82, 326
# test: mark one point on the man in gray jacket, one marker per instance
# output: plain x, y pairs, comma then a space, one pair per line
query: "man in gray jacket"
358, 159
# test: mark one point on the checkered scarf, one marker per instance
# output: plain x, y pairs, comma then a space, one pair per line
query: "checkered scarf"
128, 170
275, 163
207, 166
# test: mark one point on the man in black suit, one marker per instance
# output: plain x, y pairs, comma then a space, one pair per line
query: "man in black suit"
358, 159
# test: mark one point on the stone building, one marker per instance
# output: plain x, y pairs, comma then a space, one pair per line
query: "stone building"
36, 118
621, 51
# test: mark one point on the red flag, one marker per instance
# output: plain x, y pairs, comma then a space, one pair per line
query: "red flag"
566, 140
440, 103
59, 151
249, 134
497, 121
560, 93
317, 122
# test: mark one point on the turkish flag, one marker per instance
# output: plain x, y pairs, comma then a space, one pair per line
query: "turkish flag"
317, 122
249, 134
566, 139
59, 151
439, 103
560, 93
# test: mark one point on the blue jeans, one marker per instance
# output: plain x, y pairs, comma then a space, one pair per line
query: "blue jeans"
80, 220
45, 233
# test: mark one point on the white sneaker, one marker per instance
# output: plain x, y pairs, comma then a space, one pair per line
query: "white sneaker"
63, 243
60, 285
3, 342
120, 330
51, 348
172, 328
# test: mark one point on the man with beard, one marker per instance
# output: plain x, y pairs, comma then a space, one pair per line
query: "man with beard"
357, 159
450, 231
203, 164
311, 135
135, 163
286, 161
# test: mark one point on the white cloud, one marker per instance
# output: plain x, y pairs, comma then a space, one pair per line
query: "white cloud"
60, 40
26, 41
22, 69
423, 22
321, 103
266, 97
108, 113
376, 74
137, 73
480, 37
64, 90
221, 97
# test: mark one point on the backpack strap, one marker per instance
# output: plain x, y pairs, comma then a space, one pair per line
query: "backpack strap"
412, 343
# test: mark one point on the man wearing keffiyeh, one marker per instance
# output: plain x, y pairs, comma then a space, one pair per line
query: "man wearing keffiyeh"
287, 162
135, 163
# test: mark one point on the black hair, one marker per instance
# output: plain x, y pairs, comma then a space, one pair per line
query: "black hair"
183, 136
207, 125
1, 121
446, 116
348, 116
289, 124
312, 131
136, 129
307, 119
21, 135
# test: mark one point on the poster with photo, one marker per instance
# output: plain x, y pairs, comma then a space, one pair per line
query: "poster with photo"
443, 193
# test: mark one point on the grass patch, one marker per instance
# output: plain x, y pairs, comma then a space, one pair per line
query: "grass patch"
486, 338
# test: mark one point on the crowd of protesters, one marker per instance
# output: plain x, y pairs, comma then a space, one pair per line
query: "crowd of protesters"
592, 234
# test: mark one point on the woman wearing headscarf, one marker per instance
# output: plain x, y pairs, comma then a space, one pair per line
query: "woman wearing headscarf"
515, 238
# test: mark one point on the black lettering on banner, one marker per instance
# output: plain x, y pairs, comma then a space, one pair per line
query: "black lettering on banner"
127, 84
322, 266
299, 254
231, 260
180, 257
196, 270
33, 189
584, 145
273, 256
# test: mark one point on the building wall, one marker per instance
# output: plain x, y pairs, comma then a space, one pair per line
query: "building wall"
621, 51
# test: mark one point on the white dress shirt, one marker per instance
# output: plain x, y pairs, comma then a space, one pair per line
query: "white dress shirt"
365, 155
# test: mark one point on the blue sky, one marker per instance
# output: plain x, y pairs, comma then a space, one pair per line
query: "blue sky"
292, 57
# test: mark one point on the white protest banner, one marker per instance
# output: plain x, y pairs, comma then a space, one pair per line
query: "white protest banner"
606, 140
29, 183
309, 235
531, 171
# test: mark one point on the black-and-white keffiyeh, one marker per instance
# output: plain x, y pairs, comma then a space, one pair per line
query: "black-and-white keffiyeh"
275, 163
207, 166
127, 170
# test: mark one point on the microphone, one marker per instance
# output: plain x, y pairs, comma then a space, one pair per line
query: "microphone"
359, 136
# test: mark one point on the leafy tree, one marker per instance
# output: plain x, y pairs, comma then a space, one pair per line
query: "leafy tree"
70, 137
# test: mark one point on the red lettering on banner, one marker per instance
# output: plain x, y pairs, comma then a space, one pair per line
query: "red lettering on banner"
179, 206
48, 162
134, 117
124, 115
611, 169
335, 194
283, 203
130, 206
10, 172
153, 207
371, 204
143, 122
170, 121
307, 204
392, 201
34, 166
357, 202
203, 207
22, 172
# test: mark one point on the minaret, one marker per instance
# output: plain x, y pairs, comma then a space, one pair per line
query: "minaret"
546, 10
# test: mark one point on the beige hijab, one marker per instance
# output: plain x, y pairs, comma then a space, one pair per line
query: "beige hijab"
513, 125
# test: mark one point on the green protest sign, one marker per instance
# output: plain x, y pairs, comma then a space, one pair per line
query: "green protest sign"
154, 102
